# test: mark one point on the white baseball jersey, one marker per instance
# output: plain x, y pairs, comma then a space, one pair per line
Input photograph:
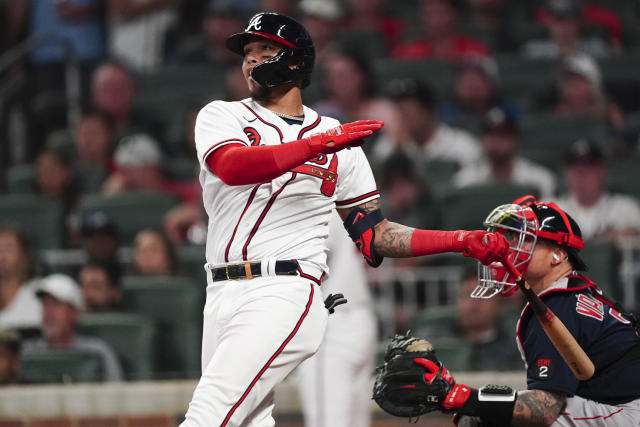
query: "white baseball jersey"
286, 218
256, 331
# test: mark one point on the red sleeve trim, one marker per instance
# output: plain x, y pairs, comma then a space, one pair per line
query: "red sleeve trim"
357, 199
222, 143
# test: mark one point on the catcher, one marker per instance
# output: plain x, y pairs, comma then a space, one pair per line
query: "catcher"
544, 247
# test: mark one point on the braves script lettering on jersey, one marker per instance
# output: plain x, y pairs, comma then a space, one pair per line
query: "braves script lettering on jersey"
256, 331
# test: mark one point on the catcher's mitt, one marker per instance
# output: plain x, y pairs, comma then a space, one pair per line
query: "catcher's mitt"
401, 388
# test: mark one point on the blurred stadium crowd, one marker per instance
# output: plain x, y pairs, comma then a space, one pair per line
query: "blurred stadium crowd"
101, 223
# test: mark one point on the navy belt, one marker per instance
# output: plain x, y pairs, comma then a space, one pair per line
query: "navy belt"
249, 270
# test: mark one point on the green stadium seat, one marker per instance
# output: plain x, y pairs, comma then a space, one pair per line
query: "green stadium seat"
131, 211
191, 260
622, 176
61, 366
175, 305
443, 316
467, 207
603, 260
438, 74
545, 138
369, 42
182, 168
454, 352
20, 179
62, 142
89, 178
40, 217
522, 79
439, 174
170, 92
132, 337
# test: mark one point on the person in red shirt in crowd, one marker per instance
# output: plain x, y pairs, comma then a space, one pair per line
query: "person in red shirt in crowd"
440, 39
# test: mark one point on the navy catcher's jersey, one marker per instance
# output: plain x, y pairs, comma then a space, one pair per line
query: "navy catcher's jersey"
604, 334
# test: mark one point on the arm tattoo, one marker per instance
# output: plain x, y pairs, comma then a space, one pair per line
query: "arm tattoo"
535, 408
392, 240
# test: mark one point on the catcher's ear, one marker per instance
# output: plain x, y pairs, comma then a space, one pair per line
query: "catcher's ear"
558, 256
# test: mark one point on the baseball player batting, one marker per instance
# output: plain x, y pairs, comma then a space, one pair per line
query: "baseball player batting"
272, 171
544, 247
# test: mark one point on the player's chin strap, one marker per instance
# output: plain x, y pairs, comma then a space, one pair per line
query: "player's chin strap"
361, 228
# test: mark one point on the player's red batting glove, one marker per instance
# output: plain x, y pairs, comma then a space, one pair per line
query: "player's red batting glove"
343, 136
485, 246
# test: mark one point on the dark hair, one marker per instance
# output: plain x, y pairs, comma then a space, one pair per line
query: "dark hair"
365, 68
25, 246
412, 89
108, 121
171, 253
111, 269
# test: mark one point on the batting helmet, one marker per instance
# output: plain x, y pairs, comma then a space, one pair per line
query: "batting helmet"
294, 62
524, 222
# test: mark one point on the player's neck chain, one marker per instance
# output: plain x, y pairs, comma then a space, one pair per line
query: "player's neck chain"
299, 118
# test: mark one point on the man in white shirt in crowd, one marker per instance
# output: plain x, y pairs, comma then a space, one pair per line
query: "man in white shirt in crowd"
601, 214
501, 163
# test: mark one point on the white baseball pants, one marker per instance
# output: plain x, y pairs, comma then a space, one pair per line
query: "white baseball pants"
255, 333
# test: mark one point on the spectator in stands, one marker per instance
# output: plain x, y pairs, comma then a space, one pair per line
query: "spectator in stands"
113, 89
351, 92
222, 18
153, 254
478, 322
496, 19
138, 31
19, 307
54, 179
581, 92
441, 39
138, 162
408, 198
186, 224
99, 238
420, 135
476, 91
76, 22
599, 214
322, 19
564, 24
9, 357
62, 307
594, 16
501, 163
370, 15
93, 138
101, 287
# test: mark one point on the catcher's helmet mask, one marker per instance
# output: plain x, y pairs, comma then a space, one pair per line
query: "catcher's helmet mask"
295, 60
524, 223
